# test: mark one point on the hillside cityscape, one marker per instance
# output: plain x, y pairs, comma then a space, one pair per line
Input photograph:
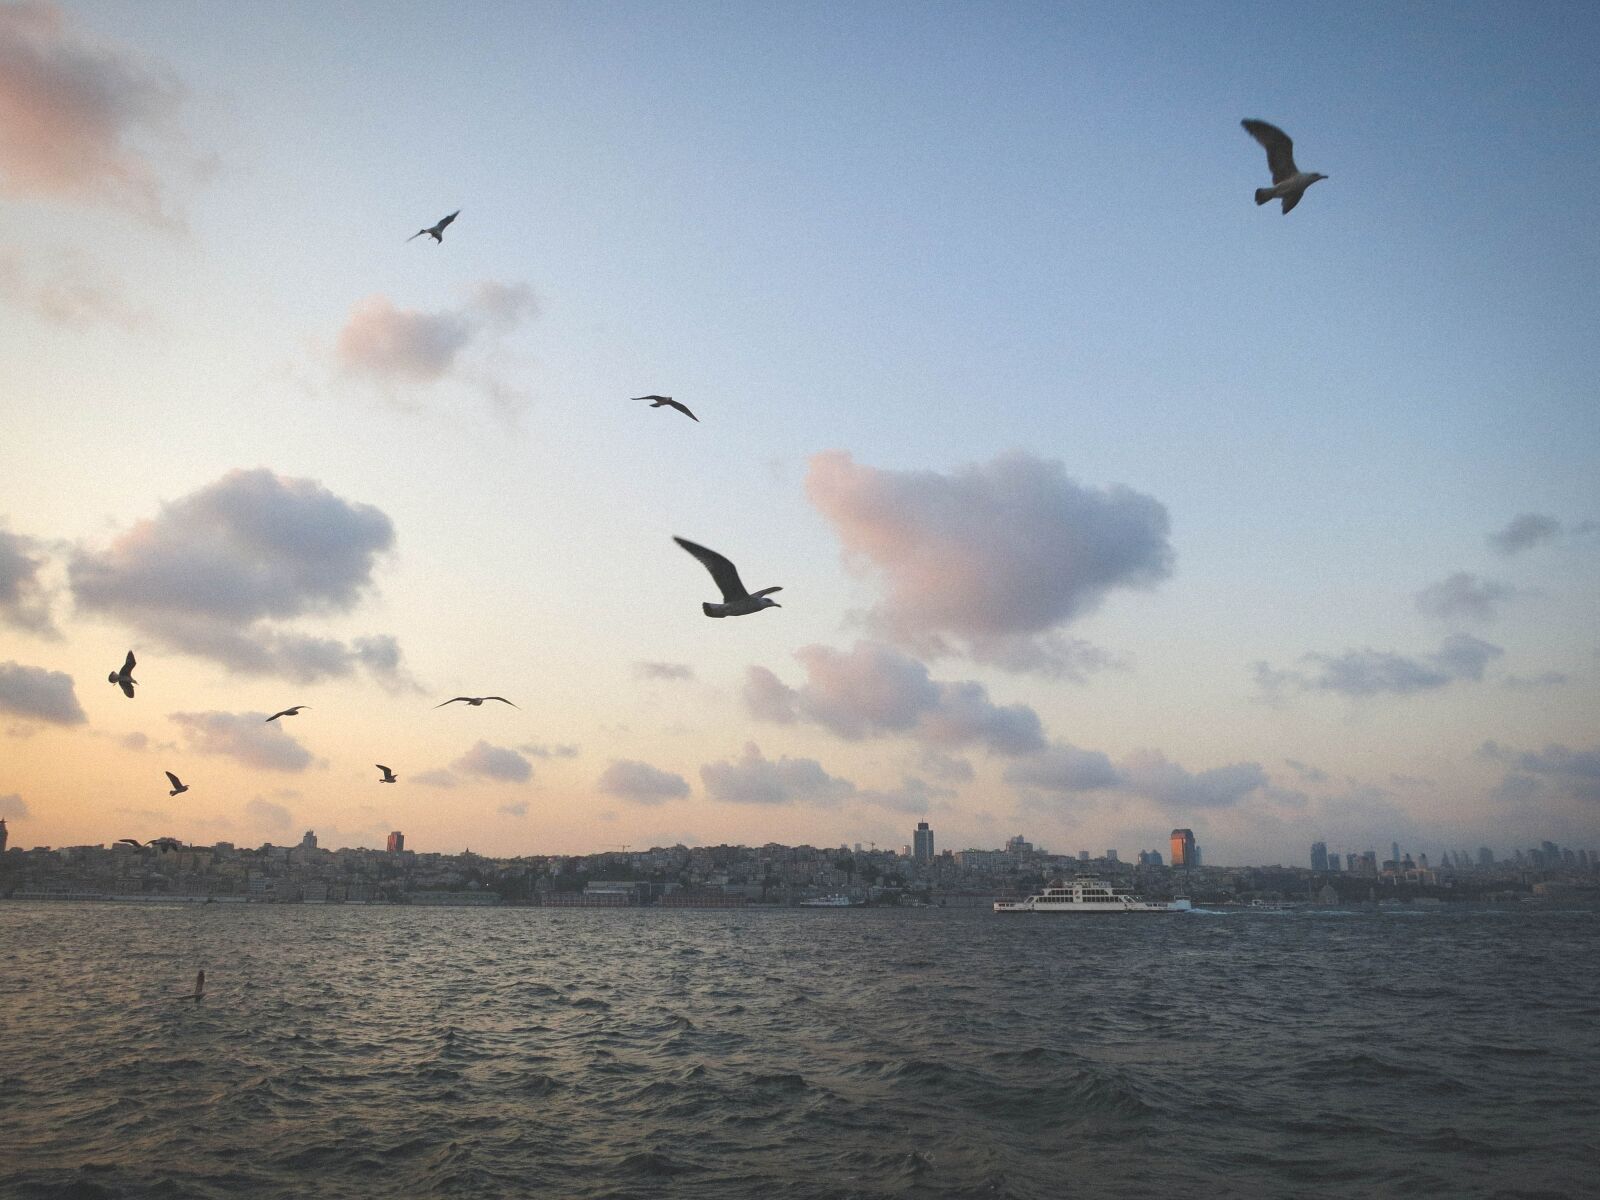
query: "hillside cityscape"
727, 876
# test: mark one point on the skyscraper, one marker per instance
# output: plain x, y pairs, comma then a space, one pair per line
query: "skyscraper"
397, 842
1319, 856
309, 842
3, 835
922, 844
1183, 848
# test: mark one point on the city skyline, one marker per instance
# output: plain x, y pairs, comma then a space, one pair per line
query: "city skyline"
1100, 507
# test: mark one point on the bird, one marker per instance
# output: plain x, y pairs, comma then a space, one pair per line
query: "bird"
124, 678
1289, 182
177, 784
437, 232
164, 843
388, 775
288, 712
658, 401
736, 602
475, 701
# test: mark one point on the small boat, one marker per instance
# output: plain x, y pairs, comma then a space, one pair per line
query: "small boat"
1086, 895
827, 902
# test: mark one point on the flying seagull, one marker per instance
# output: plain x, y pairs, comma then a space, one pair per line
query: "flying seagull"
165, 843
1289, 182
177, 784
388, 775
658, 401
736, 602
437, 232
475, 701
288, 712
124, 678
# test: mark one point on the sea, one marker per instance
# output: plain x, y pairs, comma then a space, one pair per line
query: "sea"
355, 1051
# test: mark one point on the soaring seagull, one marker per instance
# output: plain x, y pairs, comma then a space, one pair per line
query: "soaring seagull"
388, 775
288, 712
177, 784
475, 701
124, 678
1289, 182
658, 401
736, 602
163, 843
437, 232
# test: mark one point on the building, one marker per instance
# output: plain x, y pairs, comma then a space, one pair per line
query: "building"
397, 842
922, 844
1319, 856
1183, 848
3, 835
309, 842
1111, 856
1019, 845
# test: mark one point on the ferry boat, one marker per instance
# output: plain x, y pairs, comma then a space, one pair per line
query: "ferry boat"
1085, 895
827, 902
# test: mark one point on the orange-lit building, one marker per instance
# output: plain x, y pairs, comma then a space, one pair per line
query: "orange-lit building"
1183, 848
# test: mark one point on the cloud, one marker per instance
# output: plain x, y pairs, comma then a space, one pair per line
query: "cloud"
36, 694
640, 783
663, 670
1531, 683
211, 573
540, 750
265, 814
1369, 672
1525, 531
494, 762
72, 115
1557, 769
24, 601
66, 292
754, 779
946, 768
1148, 774
438, 777
14, 808
876, 690
1309, 773
994, 558
403, 348
243, 736
1463, 596
519, 809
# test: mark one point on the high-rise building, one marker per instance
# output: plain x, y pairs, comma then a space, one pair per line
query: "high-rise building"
1111, 856
1183, 848
1394, 852
1019, 845
1083, 856
309, 842
397, 842
3, 835
1319, 856
922, 843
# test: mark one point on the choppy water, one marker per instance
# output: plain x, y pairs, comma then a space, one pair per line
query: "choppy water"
345, 1052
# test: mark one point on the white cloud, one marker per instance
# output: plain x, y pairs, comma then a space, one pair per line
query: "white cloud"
994, 559
246, 737
37, 694
14, 808
1524, 531
24, 600
494, 762
641, 783
1065, 769
1463, 596
1369, 672
755, 779
663, 670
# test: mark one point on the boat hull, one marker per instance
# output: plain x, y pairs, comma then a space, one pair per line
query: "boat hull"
1085, 910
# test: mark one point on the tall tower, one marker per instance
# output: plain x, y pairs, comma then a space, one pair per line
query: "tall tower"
1183, 847
3, 835
1319, 856
397, 842
309, 842
922, 844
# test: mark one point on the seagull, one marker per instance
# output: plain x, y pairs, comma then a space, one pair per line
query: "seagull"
437, 232
164, 843
475, 701
388, 775
1289, 182
658, 401
124, 678
288, 712
177, 784
736, 602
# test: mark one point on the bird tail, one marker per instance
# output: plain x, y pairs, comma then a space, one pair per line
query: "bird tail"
1263, 195
709, 610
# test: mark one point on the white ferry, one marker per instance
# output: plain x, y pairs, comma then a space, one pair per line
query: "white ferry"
1084, 896
827, 902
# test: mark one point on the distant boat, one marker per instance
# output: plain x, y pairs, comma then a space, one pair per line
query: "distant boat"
828, 902
1085, 896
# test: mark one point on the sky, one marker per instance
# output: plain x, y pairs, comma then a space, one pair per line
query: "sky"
1103, 501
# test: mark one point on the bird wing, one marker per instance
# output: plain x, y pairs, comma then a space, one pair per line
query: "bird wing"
276, 715
382, 768
443, 221
765, 592
128, 664
1291, 200
657, 399
722, 571
176, 782
684, 409
134, 842
127, 687
452, 700
502, 700
1280, 150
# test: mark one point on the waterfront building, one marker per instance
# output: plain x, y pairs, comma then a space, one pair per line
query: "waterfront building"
397, 842
922, 841
1183, 848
